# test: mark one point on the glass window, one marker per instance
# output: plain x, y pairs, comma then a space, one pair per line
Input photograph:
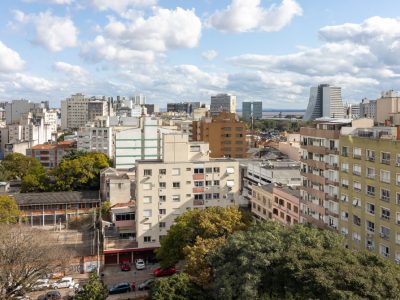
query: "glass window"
216, 169
216, 182
146, 186
385, 176
198, 170
162, 198
384, 250
385, 195
385, 213
385, 158
208, 170
147, 213
176, 185
370, 226
357, 152
176, 171
370, 208
147, 172
357, 170
176, 198
147, 239
162, 172
162, 224
147, 199
199, 183
162, 211
371, 173
163, 185
370, 190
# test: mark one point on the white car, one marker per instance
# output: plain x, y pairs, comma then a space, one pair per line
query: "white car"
41, 284
139, 264
65, 282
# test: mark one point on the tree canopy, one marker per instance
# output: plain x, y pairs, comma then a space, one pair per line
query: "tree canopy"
18, 165
94, 289
9, 212
270, 261
210, 223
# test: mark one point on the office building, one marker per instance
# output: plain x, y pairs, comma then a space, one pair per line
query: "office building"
225, 134
96, 139
275, 202
186, 178
370, 190
222, 103
368, 109
97, 107
252, 109
185, 107
325, 101
74, 112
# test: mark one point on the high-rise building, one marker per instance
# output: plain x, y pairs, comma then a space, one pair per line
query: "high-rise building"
325, 101
186, 107
74, 112
388, 108
186, 178
319, 204
222, 103
252, 109
370, 190
368, 109
97, 108
225, 134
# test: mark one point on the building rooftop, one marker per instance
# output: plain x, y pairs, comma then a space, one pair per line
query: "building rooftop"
284, 188
56, 197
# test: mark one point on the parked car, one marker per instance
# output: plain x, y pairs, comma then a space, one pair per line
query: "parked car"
51, 295
125, 266
164, 272
41, 284
65, 282
120, 288
139, 264
146, 285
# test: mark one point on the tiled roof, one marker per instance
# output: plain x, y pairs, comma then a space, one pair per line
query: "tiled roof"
56, 197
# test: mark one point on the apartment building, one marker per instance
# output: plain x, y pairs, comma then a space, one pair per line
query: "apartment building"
319, 192
388, 108
186, 107
74, 112
97, 108
274, 202
117, 186
50, 155
368, 109
225, 134
186, 178
370, 190
96, 139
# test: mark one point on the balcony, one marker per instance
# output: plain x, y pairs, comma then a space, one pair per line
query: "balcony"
315, 149
198, 176
332, 198
197, 202
314, 163
314, 178
198, 190
332, 182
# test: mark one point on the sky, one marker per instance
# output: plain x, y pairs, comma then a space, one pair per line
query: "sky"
188, 50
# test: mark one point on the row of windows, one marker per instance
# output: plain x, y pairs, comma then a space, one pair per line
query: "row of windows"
385, 157
370, 190
370, 173
125, 217
58, 206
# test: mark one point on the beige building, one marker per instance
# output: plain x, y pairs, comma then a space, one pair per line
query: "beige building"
278, 203
388, 108
291, 147
186, 178
370, 190
117, 186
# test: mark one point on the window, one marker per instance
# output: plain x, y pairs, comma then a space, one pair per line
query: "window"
163, 185
385, 195
147, 213
384, 250
216, 196
176, 171
216, 169
209, 196
385, 232
188, 169
188, 182
356, 170
345, 167
344, 198
162, 172
208, 170
227, 129
385, 176
370, 226
345, 151
147, 199
370, 190
344, 215
357, 186
295, 209
356, 202
370, 208
199, 183
345, 183
147, 172
147, 239
146, 186
370, 155
356, 220
289, 206
198, 170
162, 198
195, 148
125, 217
370, 173
146, 226
356, 237
208, 182
162, 211
176, 198
162, 224
216, 182
198, 197
398, 179
385, 213
385, 158
398, 198
398, 218
176, 185
357, 153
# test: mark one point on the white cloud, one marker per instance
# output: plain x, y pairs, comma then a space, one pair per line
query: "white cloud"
145, 38
249, 15
71, 70
209, 54
120, 6
10, 60
52, 32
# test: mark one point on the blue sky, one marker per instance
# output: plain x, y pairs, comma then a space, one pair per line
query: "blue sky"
187, 50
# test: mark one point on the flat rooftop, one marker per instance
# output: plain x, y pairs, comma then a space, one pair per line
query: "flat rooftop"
56, 197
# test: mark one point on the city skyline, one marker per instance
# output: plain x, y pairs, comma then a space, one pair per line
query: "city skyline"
174, 51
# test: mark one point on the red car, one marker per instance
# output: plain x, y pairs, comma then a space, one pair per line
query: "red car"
164, 272
125, 266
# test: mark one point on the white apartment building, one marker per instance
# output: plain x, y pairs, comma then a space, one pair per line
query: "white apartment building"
96, 139
186, 178
97, 107
222, 102
74, 112
14, 109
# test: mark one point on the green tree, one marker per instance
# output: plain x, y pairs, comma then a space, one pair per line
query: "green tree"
19, 165
9, 212
106, 210
75, 153
271, 261
176, 287
213, 222
94, 289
